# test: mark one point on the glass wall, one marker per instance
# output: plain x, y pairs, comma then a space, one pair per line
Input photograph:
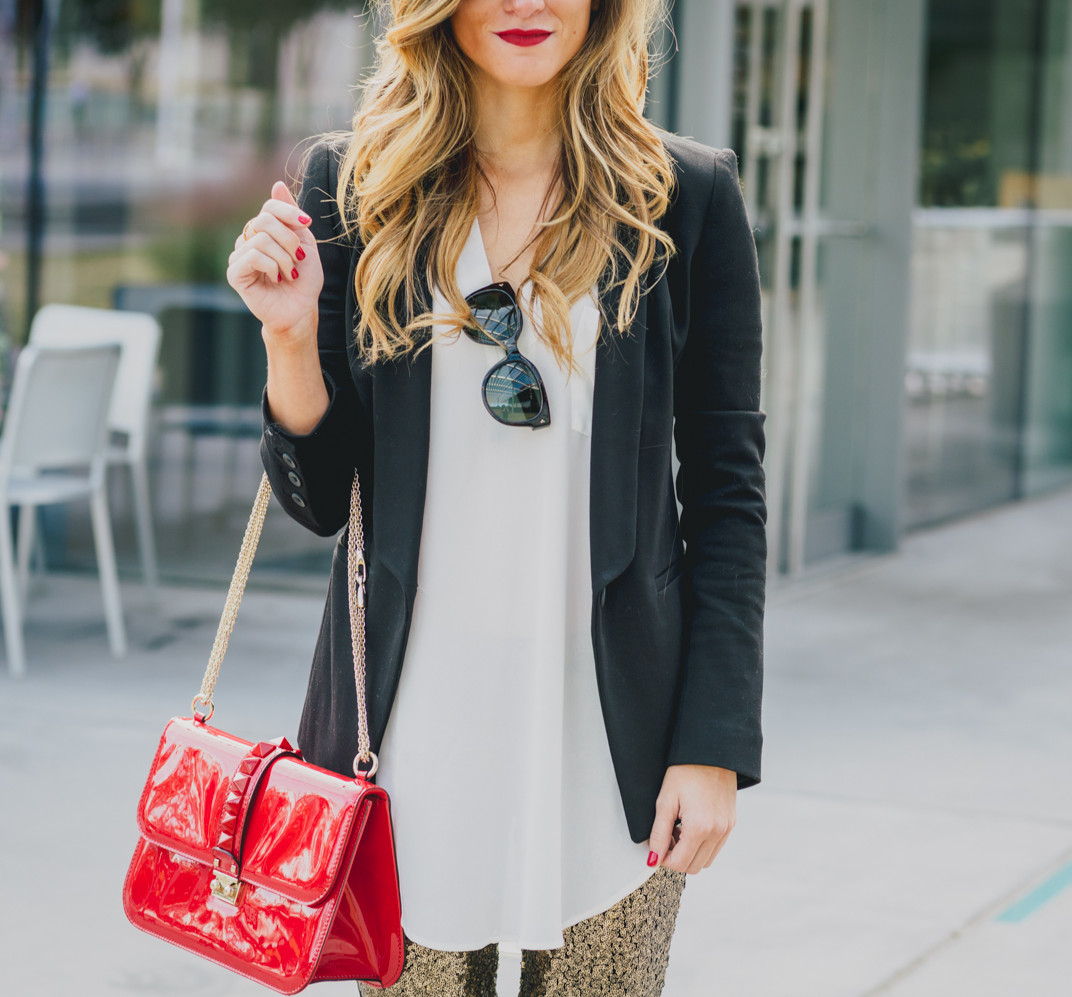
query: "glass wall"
988, 379
135, 139
823, 120
918, 363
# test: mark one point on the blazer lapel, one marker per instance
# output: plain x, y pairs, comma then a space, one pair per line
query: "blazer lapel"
401, 412
617, 404
401, 404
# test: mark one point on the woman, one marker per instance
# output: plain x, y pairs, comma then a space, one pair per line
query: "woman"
502, 299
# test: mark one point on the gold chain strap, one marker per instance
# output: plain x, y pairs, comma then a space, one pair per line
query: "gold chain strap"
355, 574
202, 705
234, 599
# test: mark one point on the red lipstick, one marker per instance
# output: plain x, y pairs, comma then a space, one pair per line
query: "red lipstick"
523, 38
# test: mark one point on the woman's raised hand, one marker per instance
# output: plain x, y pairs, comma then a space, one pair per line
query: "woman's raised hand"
275, 267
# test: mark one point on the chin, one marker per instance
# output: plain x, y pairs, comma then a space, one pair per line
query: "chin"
528, 82
522, 76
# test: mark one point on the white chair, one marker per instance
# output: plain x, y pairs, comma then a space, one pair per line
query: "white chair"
53, 450
138, 336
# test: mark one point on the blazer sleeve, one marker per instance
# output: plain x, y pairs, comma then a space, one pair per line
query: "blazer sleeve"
718, 432
311, 474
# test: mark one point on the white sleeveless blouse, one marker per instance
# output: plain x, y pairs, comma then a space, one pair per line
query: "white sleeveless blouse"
508, 821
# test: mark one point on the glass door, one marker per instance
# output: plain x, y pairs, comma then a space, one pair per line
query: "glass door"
989, 409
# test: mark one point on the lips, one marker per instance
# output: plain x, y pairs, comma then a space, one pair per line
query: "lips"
524, 39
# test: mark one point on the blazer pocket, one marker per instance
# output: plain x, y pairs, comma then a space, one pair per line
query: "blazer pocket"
670, 574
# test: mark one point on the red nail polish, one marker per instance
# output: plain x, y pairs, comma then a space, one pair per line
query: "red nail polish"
294, 273
300, 254
653, 858
304, 219
279, 278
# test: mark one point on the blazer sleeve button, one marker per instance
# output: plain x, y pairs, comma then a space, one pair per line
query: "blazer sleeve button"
298, 500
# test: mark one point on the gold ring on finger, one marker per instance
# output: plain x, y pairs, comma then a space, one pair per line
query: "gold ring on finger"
248, 231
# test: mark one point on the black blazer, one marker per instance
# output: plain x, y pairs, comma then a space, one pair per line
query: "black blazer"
677, 610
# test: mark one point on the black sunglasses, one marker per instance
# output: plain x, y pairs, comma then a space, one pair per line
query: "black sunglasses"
513, 392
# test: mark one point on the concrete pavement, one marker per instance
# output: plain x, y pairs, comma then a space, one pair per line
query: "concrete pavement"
912, 836
918, 780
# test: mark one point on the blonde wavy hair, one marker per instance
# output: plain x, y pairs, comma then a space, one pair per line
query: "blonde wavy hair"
410, 180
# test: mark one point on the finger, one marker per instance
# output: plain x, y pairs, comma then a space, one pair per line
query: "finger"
714, 851
280, 217
281, 192
283, 206
704, 856
268, 225
662, 831
720, 834
246, 270
683, 854
245, 267
266, 245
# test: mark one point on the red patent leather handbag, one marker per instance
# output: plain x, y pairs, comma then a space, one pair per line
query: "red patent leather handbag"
249, 856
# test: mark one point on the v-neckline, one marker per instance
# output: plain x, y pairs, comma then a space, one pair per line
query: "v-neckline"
487, 257
475, 260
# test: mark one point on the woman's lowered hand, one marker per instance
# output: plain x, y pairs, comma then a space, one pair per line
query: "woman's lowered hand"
704, 799
275, 267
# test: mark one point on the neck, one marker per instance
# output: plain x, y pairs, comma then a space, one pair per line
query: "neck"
517, 133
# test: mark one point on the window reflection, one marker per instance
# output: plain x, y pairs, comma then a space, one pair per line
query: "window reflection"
164, 124
988, 408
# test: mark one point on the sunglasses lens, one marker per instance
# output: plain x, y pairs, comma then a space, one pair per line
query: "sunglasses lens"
513, 393
496, 315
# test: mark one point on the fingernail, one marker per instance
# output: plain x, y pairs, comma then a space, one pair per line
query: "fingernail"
294, 273
653, 858
304, 219
300, 254
279, 278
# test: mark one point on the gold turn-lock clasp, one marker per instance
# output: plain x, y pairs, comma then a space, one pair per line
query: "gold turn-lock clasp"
226, 888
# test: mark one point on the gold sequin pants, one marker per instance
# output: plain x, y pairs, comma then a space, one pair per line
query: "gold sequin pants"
622, 952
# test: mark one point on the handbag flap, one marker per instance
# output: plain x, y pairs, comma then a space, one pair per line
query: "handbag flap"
302, 822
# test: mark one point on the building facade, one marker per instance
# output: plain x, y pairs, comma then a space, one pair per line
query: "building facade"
907, 165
